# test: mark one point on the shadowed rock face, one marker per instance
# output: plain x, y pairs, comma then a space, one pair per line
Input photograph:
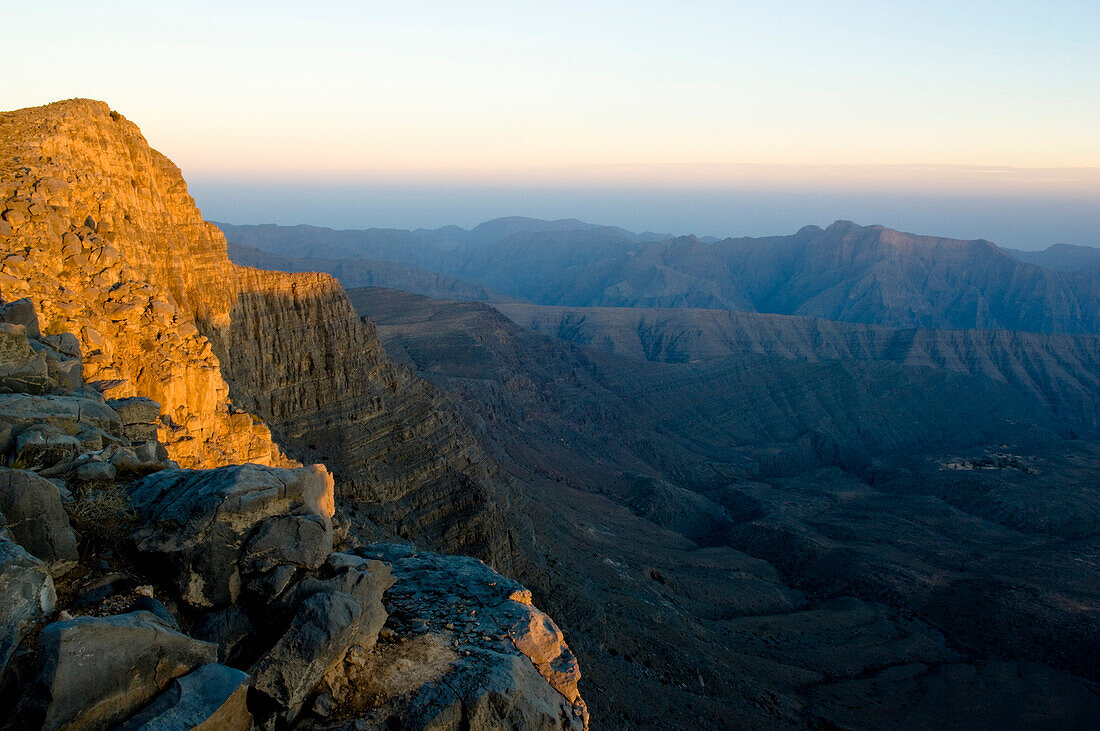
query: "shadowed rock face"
111, 247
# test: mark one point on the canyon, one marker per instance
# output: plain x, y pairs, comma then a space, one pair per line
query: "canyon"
841, 479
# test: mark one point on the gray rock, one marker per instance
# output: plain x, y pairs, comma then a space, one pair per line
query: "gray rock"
139, 417
197, 521
324, 627
65, 374
126, 461
15, 347
151, 452
64, 343
27, 597
227, 628
21, 312
157, 608
70, 413
97, 671
46, 445
212, 698
530, 678
96, 472
37, 519
135, 409
30, 375
297, 540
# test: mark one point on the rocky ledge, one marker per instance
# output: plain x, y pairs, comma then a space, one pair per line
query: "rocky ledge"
138, 595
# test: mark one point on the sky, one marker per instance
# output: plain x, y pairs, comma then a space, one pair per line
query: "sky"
973, 118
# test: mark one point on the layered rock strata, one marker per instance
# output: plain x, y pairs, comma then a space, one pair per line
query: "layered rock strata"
247, 366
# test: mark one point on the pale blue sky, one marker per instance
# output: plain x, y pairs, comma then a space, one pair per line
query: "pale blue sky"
452, 92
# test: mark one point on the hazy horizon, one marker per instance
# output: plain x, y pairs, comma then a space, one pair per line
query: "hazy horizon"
1012, 220
965, 119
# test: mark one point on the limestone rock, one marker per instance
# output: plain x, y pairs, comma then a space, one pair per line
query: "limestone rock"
27, 596
139, 417
322, 630
70, 413
212, 698
332, 615
498, 661
21, 312
96, 671
95, 471
37, 519
197, 522
299, 540
227, 628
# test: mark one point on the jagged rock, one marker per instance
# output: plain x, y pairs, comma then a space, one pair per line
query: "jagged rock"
96, 671
64, 373
64, 343
324, 626
485, 656
37, 519
136, 409
21, 312
212, 698
299, 540
198, 521
22, 369
227, 628
27, 596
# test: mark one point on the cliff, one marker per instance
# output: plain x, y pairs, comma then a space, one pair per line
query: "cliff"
154, 521
249, 366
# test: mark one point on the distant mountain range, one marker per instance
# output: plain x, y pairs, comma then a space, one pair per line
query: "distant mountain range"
846, 272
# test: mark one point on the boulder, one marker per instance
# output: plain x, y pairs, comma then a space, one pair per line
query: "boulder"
64, 343
212, 698
197, 522
97, 671
66, 373
296, 540
500, 657
227, 628
27, 597
70, 413
139, 417
334, 611
46, 445
21, 312
30, 375
135, 409
37, 519
94, 471
324, 627
14, 344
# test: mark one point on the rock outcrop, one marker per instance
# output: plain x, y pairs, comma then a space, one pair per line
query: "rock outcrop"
463, 648
246, 365
141, 595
